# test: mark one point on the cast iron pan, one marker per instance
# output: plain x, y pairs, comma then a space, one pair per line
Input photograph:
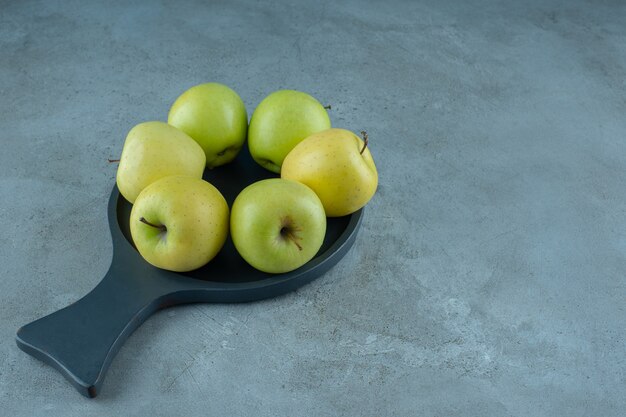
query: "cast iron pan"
81, 340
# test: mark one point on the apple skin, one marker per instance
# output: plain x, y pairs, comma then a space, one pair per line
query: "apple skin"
215, 117
154, 150
277, 225
195, 215
280, 122
330, 163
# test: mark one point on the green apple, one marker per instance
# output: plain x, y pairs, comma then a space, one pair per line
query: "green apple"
338, 166
154, 150
215, 117
277, 225
280, 122
179, 223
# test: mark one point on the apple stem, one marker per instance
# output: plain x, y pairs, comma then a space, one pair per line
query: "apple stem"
364, 134
161, 227
113, 160
286, 233
328, 107
294, 241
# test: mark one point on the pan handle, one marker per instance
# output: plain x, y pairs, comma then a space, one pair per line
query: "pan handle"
81, 339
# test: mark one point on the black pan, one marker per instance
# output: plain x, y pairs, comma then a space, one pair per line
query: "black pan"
81, 340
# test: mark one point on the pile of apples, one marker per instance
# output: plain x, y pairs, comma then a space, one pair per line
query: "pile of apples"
179, 222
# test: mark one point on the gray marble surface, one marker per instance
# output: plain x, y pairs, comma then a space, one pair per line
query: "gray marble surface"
489, 277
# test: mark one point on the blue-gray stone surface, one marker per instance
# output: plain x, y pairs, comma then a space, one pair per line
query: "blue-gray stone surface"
489, 276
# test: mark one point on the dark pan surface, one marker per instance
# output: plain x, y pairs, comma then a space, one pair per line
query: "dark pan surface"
81, 340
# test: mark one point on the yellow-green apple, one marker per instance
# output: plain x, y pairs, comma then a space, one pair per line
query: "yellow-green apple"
280, 122
338, 166
215, 117
277, 225
154, 150
179, 223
